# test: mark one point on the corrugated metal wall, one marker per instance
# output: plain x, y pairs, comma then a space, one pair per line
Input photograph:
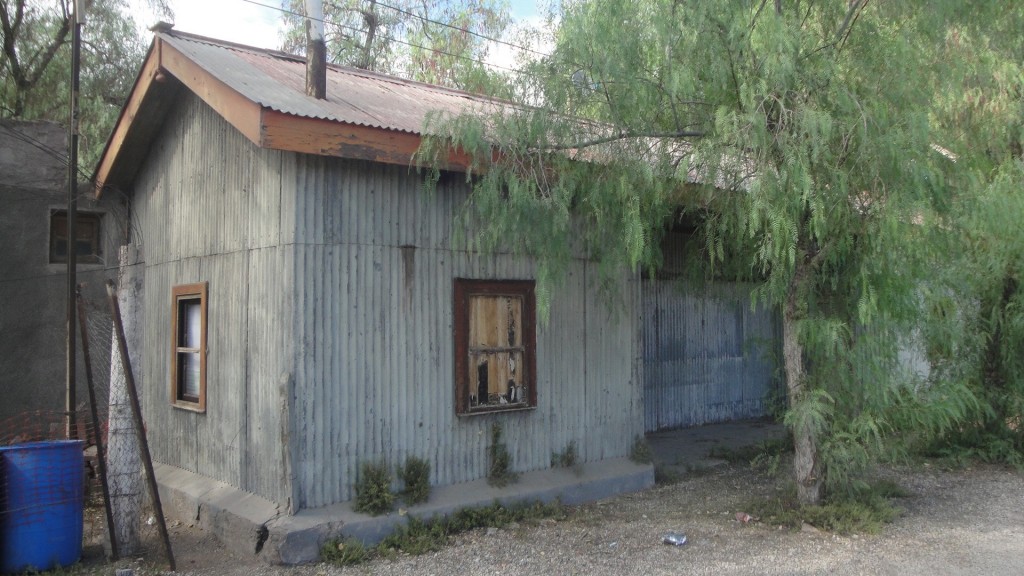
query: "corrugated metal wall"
330, 324
708, 357
374, 376
207, 208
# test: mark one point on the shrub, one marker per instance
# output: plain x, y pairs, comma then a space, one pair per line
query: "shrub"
373, 489
415, 474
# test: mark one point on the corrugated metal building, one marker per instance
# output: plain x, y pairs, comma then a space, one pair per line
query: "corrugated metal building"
306, 310
709, 354
300, 289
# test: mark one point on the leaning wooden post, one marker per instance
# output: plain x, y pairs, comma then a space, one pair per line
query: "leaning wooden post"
154, 491
96, 420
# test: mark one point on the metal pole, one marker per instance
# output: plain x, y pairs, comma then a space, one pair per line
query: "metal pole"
140, 428
96, 421
72, 249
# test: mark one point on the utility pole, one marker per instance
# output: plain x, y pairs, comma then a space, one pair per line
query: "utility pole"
78, 16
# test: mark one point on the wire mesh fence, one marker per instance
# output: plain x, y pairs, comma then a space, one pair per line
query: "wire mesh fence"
35, 485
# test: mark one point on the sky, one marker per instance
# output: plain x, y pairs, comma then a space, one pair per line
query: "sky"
247, 22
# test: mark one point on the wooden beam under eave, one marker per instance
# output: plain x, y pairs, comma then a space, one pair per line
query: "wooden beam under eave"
283, 131
113, 161
239, 111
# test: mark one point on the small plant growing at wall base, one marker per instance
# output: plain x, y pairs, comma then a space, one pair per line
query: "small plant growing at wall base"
373, 489
345, 552
641, 452
415, 474
567, 458
500, 473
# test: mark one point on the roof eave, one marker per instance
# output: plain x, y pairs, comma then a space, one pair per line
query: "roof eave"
166, 70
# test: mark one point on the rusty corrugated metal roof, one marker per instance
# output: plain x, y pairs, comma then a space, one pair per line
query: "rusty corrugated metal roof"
277, 81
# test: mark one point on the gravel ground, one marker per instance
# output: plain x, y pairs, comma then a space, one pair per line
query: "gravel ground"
955, 522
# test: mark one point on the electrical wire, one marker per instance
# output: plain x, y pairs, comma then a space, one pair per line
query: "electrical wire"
411, 45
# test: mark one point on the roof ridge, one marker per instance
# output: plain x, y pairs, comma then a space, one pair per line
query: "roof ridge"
280, 54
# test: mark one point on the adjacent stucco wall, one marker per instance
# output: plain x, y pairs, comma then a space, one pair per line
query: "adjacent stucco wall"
33, 292
207, 207
374, 267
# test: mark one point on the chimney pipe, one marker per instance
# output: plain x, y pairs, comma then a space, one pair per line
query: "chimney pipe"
316, 51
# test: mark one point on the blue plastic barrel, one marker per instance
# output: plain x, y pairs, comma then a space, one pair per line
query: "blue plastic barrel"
41, 505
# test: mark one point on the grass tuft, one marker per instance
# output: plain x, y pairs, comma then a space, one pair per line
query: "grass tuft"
423, 536
863, 513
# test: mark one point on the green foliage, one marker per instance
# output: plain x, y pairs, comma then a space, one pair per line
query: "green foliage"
373, 489
429, 41
422, 536
347, 552
641, 451
500, 472
765, 456
814, 148
567, 458
867, 511
35, 74
415, 473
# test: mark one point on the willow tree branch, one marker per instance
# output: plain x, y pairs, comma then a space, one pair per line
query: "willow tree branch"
623, 135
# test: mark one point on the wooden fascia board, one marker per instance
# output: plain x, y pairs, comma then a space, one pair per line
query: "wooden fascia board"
236, 109
113, 152
282, 131
153, 93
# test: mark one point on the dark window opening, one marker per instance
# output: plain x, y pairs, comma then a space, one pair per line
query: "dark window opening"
87, 237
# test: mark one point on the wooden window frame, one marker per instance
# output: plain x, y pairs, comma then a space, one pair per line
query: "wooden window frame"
465, 289
188, 292
81, 218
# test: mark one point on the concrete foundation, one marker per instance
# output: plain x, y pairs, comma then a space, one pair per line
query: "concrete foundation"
251, 525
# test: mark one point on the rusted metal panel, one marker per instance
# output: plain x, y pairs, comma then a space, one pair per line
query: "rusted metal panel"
277, 81
707, 356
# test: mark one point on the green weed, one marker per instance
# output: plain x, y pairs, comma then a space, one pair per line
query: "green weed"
415, 473
373, 489
423, 536
641, 452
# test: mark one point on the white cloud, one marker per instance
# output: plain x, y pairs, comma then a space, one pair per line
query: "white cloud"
231, 20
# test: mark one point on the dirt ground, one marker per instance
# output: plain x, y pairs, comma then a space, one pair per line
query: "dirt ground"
967, 521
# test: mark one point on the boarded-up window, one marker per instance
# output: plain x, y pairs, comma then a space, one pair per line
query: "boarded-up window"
188, 362
495, 341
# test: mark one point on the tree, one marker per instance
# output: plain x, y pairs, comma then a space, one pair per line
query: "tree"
431, 41
798, 135
976, 304
36, 61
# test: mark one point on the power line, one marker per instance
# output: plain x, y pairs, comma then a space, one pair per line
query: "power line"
406, 43
44, 147
466, 30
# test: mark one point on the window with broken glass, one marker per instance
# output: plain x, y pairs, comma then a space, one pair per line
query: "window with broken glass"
495, 345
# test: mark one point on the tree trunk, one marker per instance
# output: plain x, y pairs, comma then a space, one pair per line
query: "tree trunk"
805, 460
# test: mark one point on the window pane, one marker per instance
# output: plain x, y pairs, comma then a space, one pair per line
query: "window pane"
188, 374
189, 323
